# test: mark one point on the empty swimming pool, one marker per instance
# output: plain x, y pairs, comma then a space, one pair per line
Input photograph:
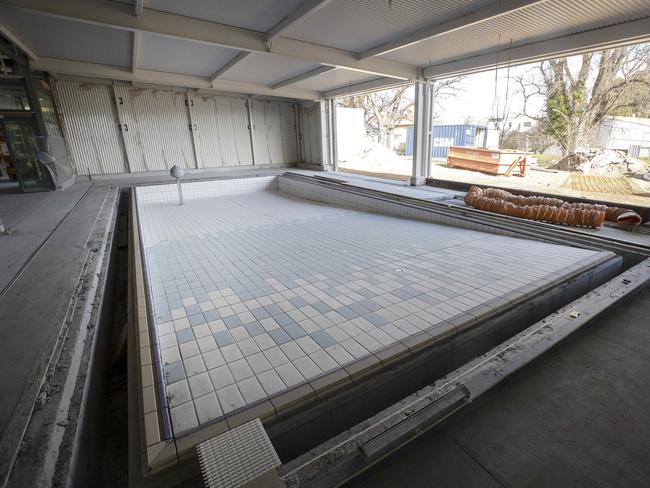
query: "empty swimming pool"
256, 292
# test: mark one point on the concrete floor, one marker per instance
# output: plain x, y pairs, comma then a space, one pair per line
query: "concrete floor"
42, 261
576, 417
31, 217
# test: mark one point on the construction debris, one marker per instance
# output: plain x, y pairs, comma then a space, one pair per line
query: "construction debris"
546, 209
606, 162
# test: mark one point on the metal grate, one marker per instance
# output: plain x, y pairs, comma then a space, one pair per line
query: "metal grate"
237, 456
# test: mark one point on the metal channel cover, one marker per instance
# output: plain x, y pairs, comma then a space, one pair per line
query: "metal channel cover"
237, 456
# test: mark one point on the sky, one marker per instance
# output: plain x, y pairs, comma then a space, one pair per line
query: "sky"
476, 97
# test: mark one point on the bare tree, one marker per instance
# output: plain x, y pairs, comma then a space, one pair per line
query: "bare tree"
384, 110
579, 95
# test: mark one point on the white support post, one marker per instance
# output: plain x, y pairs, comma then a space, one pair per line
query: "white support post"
422, 133
251, 125
334, 152
325, 135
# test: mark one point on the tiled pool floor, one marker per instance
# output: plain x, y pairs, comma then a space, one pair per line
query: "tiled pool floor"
256, 293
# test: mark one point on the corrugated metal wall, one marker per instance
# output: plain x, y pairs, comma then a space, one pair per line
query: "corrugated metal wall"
443, 136
89, 126
289, 131
275, 132
232, 120
260, 144
117, 129
162, 121
206, 139
220, 130
310, 132
127, 123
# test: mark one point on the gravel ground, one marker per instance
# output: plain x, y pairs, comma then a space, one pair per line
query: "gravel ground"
631, 191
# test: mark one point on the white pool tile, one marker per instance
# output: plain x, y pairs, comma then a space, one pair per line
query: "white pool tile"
230, 398
256, 292
207, 408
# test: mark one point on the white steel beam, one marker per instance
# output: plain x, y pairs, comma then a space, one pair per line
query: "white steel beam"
606, 38
363, 87
13, 38
120, 16
138, 7
303, 76
460, 22
304, 10
135, 57
92, 70
238, 57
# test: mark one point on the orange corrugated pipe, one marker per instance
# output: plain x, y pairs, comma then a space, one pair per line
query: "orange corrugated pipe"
546, 209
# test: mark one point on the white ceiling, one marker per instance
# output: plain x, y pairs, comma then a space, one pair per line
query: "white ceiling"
186, 42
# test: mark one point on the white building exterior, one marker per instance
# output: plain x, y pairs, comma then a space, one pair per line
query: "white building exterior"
623, 133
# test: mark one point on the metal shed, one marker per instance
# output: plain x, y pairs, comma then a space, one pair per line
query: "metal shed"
443, 136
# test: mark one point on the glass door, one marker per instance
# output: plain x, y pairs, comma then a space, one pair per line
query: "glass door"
32, 175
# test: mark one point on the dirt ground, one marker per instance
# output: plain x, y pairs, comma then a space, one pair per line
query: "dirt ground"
630, 190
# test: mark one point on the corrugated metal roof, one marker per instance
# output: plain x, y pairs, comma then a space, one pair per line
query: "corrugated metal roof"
50, 37
266, 68
350, 25
160, 53
334, 79
539, 22
260, 15
356, 25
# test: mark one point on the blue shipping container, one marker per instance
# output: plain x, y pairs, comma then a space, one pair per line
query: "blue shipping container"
443, 136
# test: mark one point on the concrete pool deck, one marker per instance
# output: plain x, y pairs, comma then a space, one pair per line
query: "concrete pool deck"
260, 297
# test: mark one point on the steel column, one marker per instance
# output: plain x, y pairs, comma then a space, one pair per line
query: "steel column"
422, 133
334, 151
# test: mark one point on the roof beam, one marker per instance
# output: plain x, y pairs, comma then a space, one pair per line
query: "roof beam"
135, 56
121, 16
362, 87
633, 32
15, 40
238, 57
138, 7
303, 76
92, 70
304, 10
460, 22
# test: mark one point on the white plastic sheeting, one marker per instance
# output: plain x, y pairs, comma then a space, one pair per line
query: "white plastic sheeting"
120, 128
